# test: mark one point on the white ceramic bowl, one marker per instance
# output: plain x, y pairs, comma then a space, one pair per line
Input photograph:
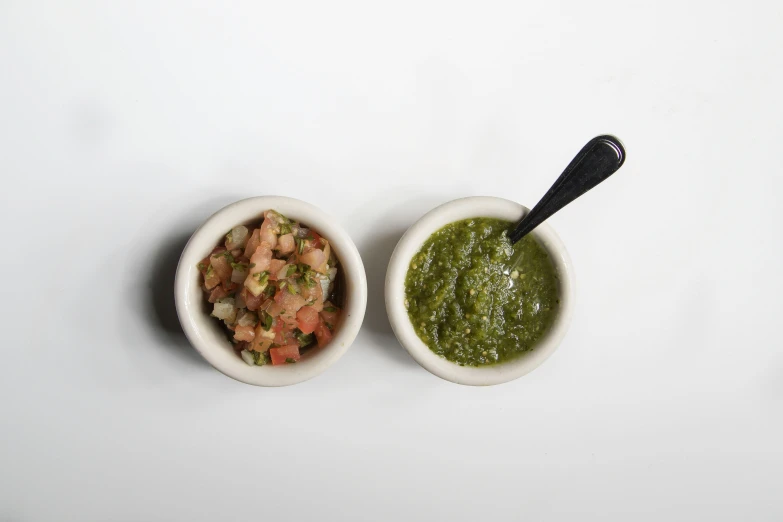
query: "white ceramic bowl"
206, 333
411, 242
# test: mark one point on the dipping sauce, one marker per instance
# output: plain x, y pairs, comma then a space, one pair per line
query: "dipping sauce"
273, 286
466, 302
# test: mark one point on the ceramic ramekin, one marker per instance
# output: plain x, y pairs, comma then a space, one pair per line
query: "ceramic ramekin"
409, 245
205, 332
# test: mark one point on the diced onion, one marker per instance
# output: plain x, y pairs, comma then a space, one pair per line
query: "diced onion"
239, 301
247, 357
283, 272
325, 285
237, 237
254, 286
224, 309
248, 319
238, 276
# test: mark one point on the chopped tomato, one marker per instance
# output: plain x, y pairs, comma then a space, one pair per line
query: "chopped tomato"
316, 259
275, 266
330, 316
267, 233
317, 240
222, 267
203, 265
322, 334
284, 333
275, 218
274, 309
263, 346
244, 333
219, 292
307, 319
286, 244
289, 319
314, 295
253, 302
259, 344
211, 279
252, 243
261, 259
290, 302
262, 339
284, 354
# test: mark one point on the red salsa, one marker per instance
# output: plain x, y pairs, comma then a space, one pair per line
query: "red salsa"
274, 287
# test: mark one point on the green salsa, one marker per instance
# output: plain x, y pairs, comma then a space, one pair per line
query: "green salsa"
466, 301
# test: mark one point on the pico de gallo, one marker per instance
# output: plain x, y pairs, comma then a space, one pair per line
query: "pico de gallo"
275, 288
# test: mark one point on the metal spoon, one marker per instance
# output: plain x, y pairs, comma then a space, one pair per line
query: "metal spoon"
597, 160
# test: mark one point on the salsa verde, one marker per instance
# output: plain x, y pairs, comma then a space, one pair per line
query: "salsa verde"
468, 304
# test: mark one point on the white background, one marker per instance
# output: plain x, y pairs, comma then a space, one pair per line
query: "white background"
123, 125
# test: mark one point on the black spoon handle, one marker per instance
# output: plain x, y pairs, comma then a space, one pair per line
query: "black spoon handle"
597, 160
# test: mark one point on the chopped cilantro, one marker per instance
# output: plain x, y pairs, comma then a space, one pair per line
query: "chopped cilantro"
300, 245
259, 358
226, 254
285, 228
202, 266
262, 277
267, 321
307, 276
290, 360
269, 291
291, 289
248, 319
330, 309
302, 338
291, 270
239, 266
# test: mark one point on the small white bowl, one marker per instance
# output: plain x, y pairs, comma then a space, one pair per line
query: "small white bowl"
208, 336
409, 245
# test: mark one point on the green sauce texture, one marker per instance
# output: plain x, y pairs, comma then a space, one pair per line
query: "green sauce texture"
462, 304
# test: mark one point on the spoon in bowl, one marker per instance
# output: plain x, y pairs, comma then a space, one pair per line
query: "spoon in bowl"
599, 159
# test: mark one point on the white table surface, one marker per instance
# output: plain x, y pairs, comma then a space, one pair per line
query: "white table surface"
124, 124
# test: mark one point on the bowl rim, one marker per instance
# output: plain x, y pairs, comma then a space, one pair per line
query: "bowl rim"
204, 332
411, 242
